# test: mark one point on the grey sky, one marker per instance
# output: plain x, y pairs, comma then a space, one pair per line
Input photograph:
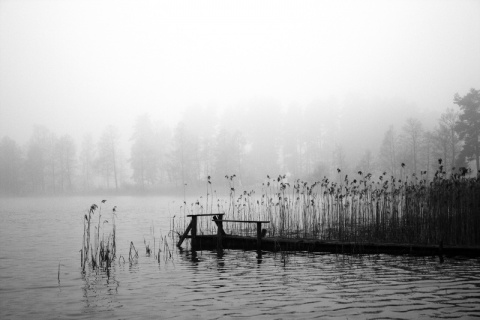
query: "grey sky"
76, 66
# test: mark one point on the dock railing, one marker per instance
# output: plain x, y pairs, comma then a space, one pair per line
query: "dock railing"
259, 229
192, 227
218, 219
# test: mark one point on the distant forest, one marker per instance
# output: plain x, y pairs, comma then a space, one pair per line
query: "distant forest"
247, 143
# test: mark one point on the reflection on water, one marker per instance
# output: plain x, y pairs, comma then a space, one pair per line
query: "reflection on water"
310, 285
99, 291
180, 283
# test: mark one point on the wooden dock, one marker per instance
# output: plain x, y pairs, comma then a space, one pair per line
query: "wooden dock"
275, 244
219, 237
260, 243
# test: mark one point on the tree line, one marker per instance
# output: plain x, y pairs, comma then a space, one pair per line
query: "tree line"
249, 142
450, 146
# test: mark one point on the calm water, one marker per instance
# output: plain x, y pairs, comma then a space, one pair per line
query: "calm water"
37, 234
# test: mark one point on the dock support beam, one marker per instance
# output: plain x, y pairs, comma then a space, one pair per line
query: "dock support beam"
192, 227
440, 251
259, 236
184, 234
220, 232
194, 232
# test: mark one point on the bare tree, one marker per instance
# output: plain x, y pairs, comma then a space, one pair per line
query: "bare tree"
366, 163
292, 141
388, 151
66, 153
428, 152
202, 121
229, 153
321, 127
107, 160
39, 160
10, 166
447, 124
86, 158
468, 125
340, 161
413, 133
181, 156
146, 152
262, 133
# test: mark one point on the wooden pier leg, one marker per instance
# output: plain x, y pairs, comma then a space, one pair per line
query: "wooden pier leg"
194, 232
184, 235
220, 232
216, 222
259, 236
440, 251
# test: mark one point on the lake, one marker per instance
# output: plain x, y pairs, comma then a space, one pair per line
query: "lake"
41, 278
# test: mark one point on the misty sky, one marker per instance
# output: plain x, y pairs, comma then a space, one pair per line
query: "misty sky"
77, 66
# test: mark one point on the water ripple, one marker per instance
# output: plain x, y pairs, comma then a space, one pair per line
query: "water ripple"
206, 285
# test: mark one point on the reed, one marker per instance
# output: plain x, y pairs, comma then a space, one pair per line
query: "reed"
166, 249
132, 254
148, 251
359, 209
98, 252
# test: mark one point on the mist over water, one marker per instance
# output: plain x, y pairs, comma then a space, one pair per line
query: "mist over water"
247, 89
305, 109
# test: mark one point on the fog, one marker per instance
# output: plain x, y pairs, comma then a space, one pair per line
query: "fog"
351, 68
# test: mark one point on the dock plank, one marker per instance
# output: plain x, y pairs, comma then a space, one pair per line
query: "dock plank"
205, 214
311, 245
246, 221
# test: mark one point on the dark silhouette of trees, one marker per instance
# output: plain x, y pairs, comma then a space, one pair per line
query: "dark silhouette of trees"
34, 168
340, 162
468, 125
145, 156
412, 137
252, 140
229, 154
52, 162
262, 132
446, 139
65, 158
367, 162
86, 162
203, 123
389, 152
320, 136
10, 167
39, 165
292, 142
429, 154
181, 156
107, 161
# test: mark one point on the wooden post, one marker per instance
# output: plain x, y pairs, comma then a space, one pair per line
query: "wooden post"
259, 236
220, 232
440, 251
219, 225
194, 231
184, 235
